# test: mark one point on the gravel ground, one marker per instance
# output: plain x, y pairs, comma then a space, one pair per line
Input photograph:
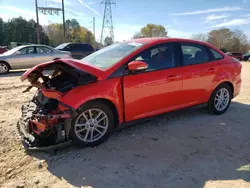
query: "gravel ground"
187, 149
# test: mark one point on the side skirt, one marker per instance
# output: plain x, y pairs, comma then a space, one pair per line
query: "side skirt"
147, 119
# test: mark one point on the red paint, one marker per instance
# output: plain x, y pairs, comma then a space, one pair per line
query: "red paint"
150, 93
72, 62
37, 127
50, 93
137, 65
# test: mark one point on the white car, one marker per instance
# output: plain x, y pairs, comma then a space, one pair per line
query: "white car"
27, 56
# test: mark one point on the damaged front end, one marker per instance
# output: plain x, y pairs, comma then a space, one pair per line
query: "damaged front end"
45, 121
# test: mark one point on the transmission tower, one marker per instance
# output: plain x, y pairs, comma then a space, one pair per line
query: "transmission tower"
107, 24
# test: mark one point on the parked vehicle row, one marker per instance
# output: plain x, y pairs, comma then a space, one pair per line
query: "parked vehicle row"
3, 49
246, 57
236, 55
27, 56
77, 50
84, 100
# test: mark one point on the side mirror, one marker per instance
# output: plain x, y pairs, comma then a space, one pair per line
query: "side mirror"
137, 66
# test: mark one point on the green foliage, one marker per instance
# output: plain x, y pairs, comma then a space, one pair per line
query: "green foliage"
74, 33
20, 30
152, 30
108, 41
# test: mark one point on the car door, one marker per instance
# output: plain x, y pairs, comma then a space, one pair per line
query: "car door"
79, 51
23, 58
157, 90
199, 69
43, 54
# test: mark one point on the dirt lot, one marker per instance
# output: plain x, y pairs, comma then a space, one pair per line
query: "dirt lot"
188, 149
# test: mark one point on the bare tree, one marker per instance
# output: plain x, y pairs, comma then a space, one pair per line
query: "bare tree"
220, 37
239, 42
226, 39
201, 37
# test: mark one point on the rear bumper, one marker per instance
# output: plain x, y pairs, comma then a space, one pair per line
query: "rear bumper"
237, 88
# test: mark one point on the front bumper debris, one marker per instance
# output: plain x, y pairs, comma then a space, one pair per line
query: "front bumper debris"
28, 135
26, 145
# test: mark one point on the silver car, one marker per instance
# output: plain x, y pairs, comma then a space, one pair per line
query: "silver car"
27, 56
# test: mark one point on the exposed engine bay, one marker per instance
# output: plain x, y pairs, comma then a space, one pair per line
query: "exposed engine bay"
45, 121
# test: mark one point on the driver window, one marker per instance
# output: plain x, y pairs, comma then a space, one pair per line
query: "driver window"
27, 50
43, 50
158, 57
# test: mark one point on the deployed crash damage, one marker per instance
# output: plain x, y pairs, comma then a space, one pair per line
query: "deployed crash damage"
46, 121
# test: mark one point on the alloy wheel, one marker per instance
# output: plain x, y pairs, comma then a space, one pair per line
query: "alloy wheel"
222, 99
91, 125
3, 68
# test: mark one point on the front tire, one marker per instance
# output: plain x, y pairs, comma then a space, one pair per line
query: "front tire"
92, 125
220, 99
4, 68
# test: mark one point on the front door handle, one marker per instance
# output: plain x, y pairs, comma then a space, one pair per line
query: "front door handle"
173, 77
212, 69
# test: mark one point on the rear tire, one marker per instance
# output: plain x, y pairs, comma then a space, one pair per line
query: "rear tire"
92, 125
220, 99
4, 67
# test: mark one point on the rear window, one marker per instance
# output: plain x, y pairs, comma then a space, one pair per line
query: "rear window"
216, 55
61, 46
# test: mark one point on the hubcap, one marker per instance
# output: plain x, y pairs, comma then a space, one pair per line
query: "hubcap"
221, 99
91, 125
3, 68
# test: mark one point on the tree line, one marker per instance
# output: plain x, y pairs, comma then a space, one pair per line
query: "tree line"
225, 39
21, 30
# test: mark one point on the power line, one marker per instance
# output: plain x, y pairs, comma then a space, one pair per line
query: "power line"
51, 11
107, 24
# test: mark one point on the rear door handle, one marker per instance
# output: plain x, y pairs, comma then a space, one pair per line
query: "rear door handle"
173, 77
212, 70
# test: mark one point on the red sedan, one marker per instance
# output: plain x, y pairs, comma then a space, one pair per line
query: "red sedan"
84, 100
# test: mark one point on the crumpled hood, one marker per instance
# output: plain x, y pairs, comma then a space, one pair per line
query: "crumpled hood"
71, 62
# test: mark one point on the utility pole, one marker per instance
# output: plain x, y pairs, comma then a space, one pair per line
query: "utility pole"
50, 11
94, 26
37, 25
64, 29
107, 24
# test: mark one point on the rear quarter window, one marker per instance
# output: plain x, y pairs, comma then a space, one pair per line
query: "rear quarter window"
216, 55
194, 53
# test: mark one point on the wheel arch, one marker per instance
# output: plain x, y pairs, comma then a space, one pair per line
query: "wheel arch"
111, 105
6, 63
228, 83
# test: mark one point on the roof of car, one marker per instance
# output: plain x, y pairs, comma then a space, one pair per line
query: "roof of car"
162, 39
166, 39
29, 45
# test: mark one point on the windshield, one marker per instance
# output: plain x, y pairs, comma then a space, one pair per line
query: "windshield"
61, 46
12, 51
110, 55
